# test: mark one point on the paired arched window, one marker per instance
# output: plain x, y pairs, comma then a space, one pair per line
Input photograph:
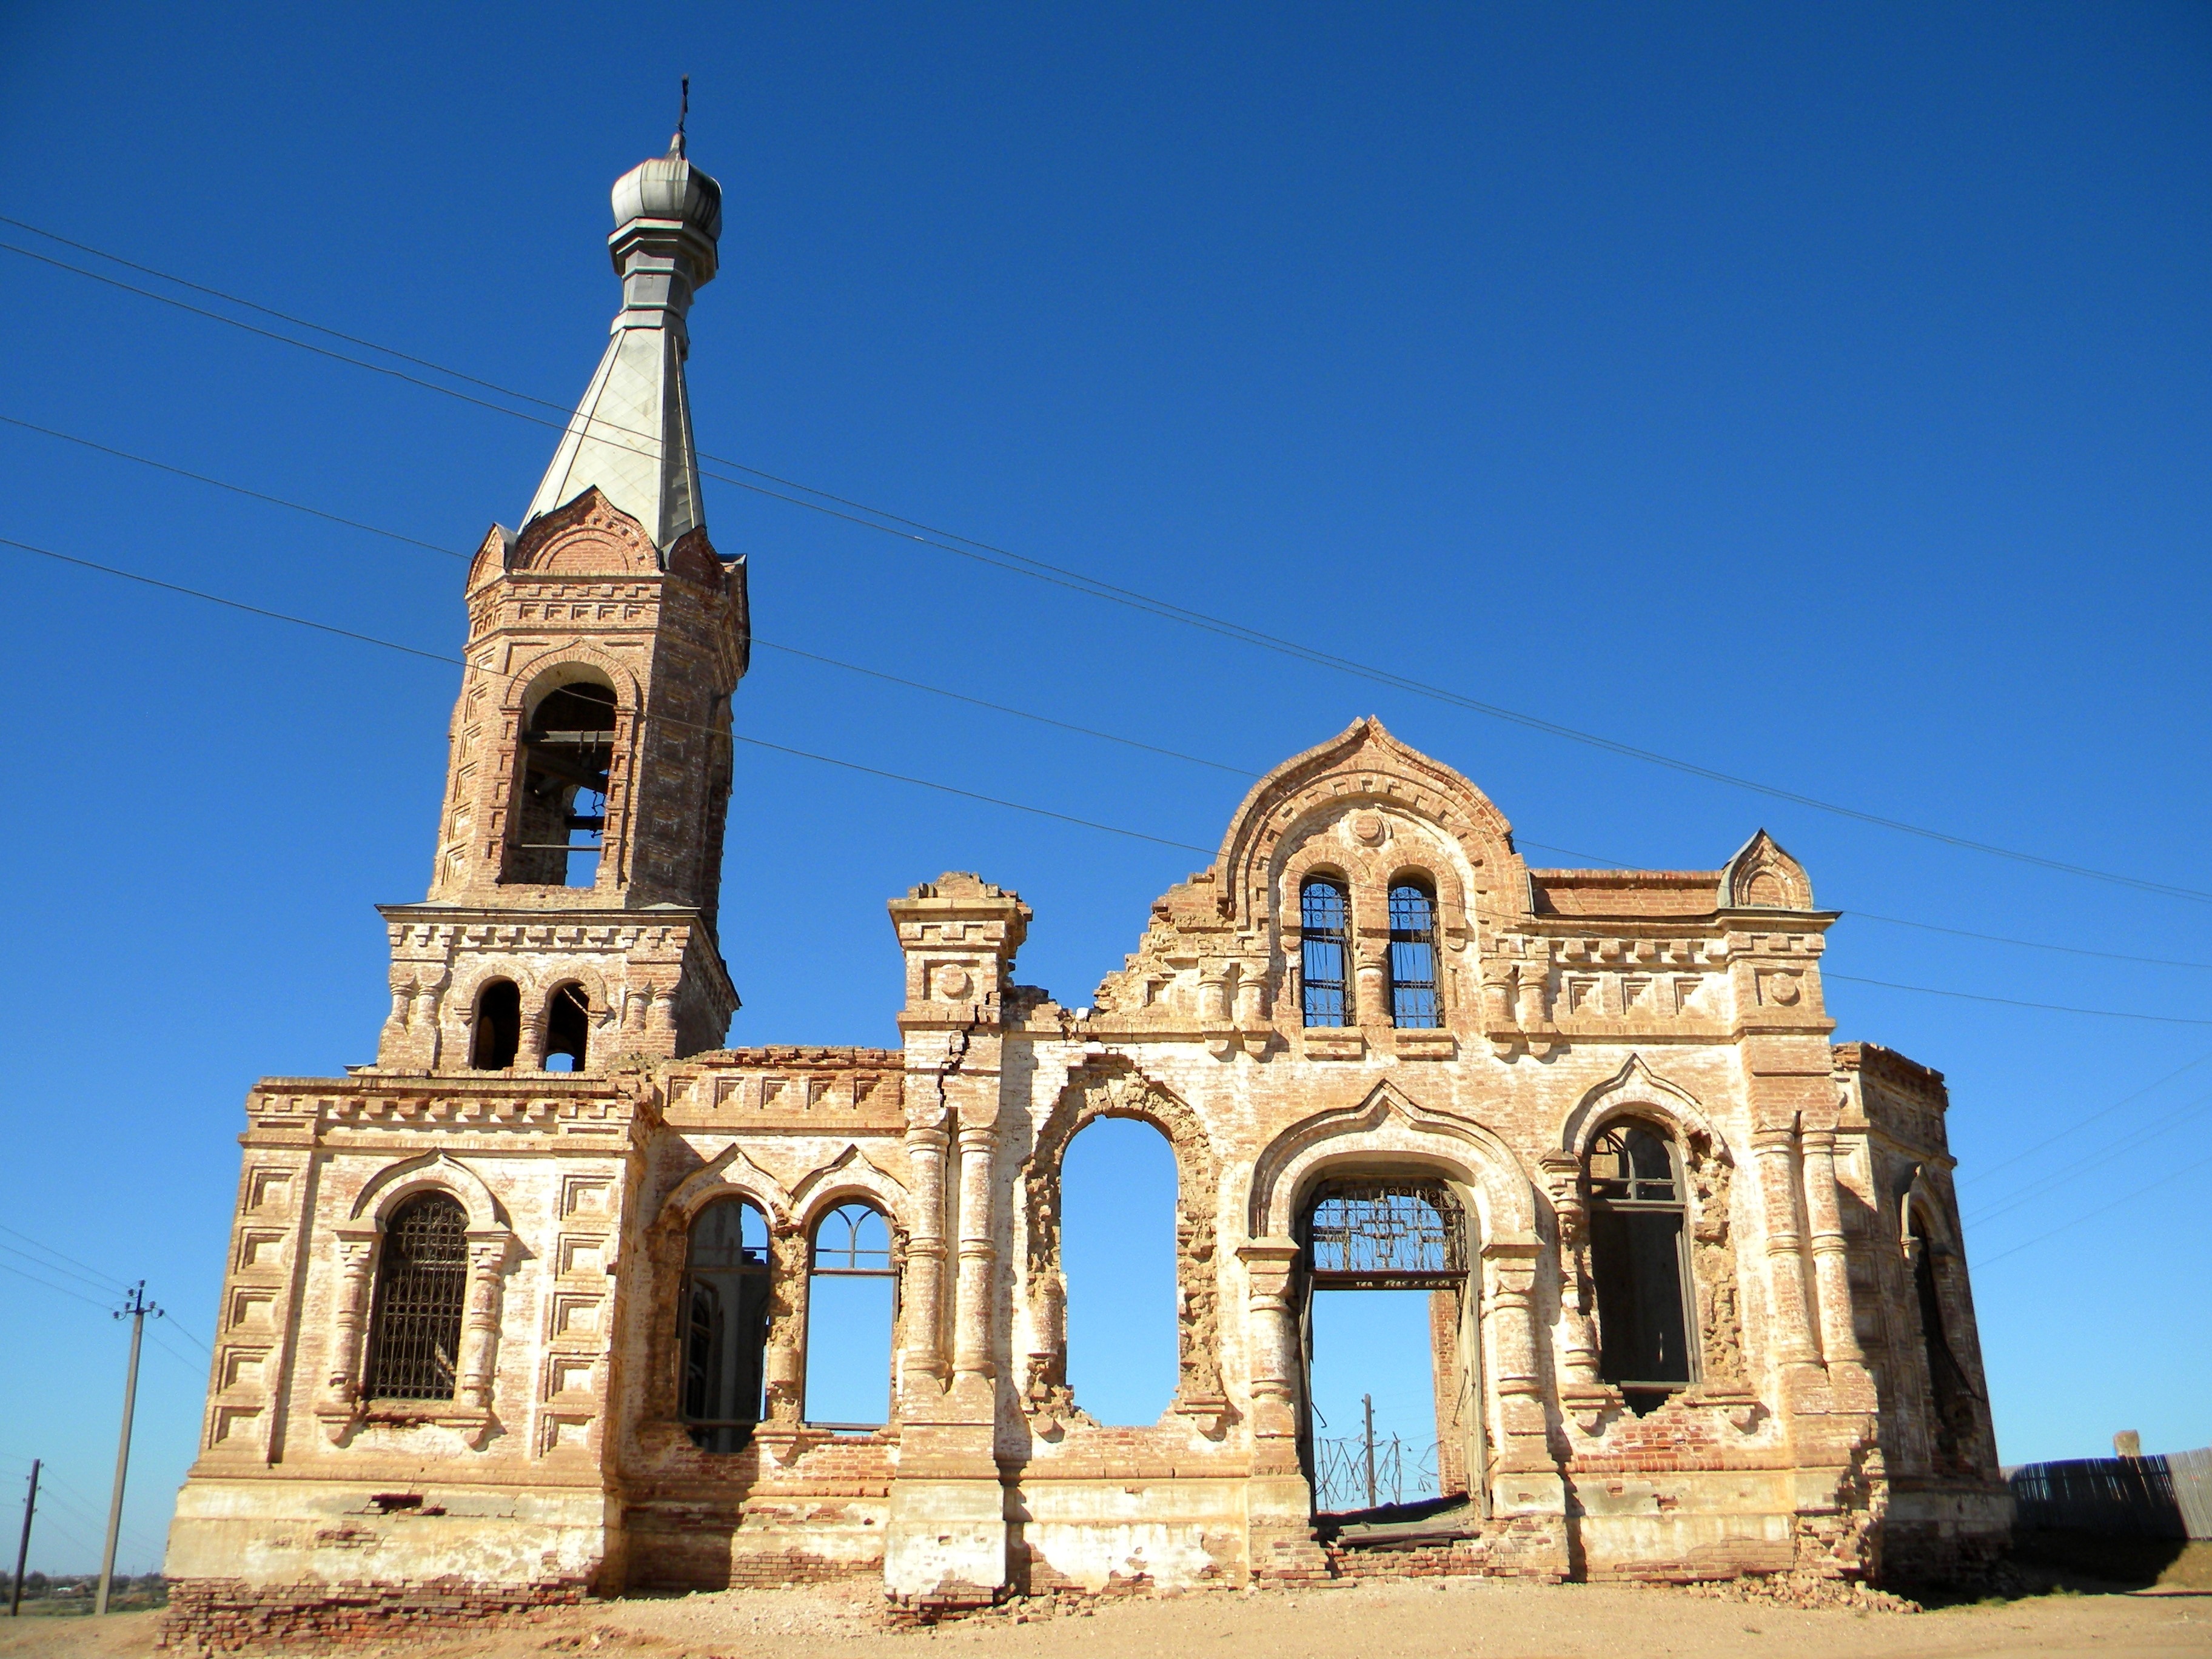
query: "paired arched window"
568, 1029
558, 824
422, 1283
1325, 952
1325, 920
852, 1306
1414, 956
498, 1032
724, 1324
1638, 1258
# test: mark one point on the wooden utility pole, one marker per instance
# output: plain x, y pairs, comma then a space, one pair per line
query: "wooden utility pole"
138, 1307
23, 1548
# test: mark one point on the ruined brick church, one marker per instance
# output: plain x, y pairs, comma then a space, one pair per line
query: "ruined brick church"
522, 1310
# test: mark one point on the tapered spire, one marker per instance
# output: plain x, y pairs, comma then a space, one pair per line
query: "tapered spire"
631, 435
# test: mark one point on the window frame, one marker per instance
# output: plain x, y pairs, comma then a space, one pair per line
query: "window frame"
447, 1318
1338, 939
1635, 1203
891, 1270
1414, 939
740, 1429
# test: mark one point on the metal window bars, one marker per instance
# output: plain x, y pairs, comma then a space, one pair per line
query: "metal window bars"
1324, 914
1386, 1234
421, 1284
1413, 1001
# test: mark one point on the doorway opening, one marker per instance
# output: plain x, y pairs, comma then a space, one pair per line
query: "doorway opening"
1389, 1428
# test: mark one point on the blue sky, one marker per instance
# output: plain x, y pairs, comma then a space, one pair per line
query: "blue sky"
1818, 394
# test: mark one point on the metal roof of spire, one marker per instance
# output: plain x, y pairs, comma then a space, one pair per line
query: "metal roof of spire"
631, 435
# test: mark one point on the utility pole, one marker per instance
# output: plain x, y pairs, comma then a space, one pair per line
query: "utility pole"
138, 1307
1367, 1405
23, 1549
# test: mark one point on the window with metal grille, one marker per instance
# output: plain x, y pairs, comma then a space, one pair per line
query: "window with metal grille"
852, 1307
1414, 957
1637, 1243
559, 816
724, 1310
421, 1281
1325, 918
1386, 1234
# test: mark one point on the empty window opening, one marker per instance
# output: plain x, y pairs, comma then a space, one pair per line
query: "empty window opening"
1117, 1253
1389, 1416
1637, 1244
723, 1328
852, 1306
568, 1029
1325, 922
499, 1026
1951, 1418
1414, 957
561, 815
421, 1280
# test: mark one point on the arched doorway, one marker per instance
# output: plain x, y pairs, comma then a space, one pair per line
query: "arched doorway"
1387, 1313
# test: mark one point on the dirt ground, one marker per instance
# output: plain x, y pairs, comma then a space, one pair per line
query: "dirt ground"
1402, 1620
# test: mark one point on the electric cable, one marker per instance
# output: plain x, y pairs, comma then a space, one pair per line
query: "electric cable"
945, 788
2091, 1215
1097, 588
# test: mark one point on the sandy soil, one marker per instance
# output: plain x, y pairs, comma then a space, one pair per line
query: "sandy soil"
1389, 1620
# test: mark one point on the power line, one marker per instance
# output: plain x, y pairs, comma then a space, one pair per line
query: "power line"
1047, 720
39, 1243
1023, 564
2042, 1186
2079, 1124
51, 1268
440, 657
968, 794
2014, 1002
61, 1289
2091, 1215
235, 489
2027, 944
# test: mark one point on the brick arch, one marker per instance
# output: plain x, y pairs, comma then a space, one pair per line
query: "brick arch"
393, 1185
1119, 1092
1364, 766
585, 537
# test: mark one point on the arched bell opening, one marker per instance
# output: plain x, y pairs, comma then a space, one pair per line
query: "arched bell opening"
557, 830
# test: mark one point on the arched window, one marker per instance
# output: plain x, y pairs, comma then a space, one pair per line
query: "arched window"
421, 1280
560, 814
568, 1029
1636, 1241
1325, 920
724, 1324
1117, 1258
498, 1027
1414, 957
1951, 1419
852, 1303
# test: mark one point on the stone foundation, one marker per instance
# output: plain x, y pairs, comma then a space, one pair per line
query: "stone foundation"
227, 1615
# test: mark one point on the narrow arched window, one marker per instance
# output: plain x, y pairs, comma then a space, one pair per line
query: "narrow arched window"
1637, 1238
724, 1324
421, 1281
498, 1026
568, 1029
852, 1305
1950, 1395
1325, 922
1414, 957
558, 825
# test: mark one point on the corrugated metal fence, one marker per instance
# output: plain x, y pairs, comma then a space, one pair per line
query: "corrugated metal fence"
2168, 1497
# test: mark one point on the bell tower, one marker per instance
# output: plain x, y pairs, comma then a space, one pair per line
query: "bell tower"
571, 915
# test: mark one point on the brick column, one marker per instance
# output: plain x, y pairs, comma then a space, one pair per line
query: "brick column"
1792, 1332
922, 1289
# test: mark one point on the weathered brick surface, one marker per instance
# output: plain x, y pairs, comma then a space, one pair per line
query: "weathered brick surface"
1820, 1432
224, 1616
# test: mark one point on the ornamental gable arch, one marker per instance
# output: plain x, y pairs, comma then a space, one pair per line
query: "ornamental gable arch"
1365, 800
